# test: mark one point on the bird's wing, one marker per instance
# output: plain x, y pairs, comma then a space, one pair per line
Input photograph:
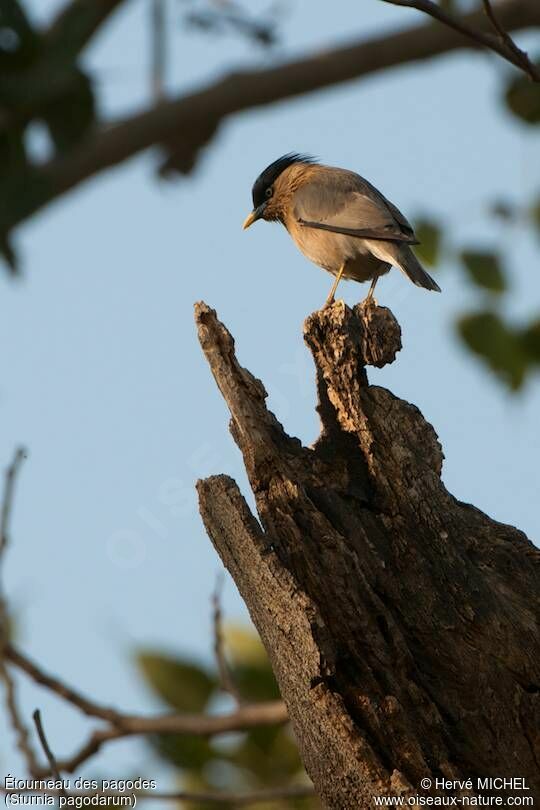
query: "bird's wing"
343, 202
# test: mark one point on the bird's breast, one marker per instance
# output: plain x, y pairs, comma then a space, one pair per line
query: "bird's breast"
331, 250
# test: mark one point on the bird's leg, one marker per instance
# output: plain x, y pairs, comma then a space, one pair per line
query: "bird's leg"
369, 297
330, 299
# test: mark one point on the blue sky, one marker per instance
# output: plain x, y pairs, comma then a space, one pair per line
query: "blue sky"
104, 382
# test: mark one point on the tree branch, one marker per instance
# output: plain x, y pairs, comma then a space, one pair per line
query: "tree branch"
183, 126
121, 725
76, 23
502, 44
268, 713
62, 690
245, 717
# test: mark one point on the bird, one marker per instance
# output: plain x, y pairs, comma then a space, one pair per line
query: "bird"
338, 220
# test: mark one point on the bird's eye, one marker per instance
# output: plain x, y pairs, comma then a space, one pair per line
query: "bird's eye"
269, 192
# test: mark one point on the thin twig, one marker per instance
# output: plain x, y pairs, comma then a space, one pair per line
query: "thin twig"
209, 797
229, 15
48, 752
502, 44
10, 481
505, 37
15, 716
159, 49
226, 679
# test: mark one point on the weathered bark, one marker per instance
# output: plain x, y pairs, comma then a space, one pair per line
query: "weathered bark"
402, 624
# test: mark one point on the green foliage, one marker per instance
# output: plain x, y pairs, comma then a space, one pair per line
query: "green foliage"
8, 254
67, 130
256, 682
244, 647
531, 341
259, 758
182, 685
249, 665
485, 270
40, 80
510, 351
19, 43
429, 236
486, 334
535, 215
191, 753
522, 97
269, 754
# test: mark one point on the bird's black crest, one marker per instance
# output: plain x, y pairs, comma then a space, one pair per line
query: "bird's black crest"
272, 172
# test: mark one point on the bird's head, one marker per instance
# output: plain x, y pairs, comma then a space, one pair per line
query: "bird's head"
271, 186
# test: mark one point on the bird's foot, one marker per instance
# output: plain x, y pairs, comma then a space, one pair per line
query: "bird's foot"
370, 301
330, 303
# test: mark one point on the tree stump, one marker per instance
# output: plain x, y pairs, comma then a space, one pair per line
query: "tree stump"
402, 624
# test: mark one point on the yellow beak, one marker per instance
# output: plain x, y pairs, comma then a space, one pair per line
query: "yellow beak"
249, 220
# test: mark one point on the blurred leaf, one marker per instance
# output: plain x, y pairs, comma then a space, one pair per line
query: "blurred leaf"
9, 255
195, 782
183, 685
499, 346
71, 114
244, 645
10, 627
523, 99
255, 682
264, 737
250, 667
18, 41
485, 270
278, 762
535, 214
531, 340
261, 757
12, 150
191, 753
429, 235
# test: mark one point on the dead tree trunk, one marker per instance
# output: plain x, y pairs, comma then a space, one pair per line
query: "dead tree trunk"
402, 624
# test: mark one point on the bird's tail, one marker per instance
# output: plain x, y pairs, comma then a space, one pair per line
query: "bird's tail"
409, 264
